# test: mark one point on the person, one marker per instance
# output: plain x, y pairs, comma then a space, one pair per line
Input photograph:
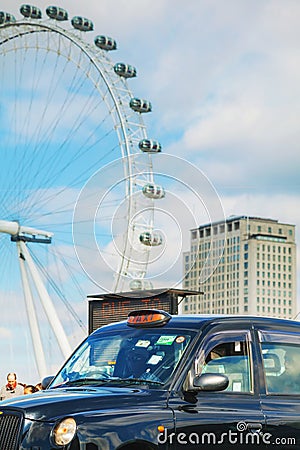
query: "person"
217, 352
29, 389
12, 388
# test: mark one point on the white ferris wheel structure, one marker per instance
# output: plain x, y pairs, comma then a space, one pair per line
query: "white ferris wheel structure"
66, 112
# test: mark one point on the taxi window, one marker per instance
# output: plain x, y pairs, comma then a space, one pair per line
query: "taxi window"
230, 357
281, 363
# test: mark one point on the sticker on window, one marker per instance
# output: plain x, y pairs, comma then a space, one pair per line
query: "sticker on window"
166, 340
155, 359
142, 343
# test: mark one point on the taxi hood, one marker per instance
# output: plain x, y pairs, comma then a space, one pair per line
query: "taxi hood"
51, 404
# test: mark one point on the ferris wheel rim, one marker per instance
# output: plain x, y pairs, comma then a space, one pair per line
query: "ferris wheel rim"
29, 27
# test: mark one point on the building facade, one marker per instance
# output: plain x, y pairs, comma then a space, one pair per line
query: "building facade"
245, 265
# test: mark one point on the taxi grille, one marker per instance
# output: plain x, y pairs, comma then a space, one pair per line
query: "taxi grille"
10, 430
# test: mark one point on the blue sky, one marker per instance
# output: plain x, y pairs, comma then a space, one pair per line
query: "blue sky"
223, 79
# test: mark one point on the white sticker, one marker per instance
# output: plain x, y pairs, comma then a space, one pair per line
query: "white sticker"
155, 359
142, 343
237, 346
237, 386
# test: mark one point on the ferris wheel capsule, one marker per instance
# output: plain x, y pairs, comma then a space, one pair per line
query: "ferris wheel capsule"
149, 146
6, 18
125, 70
105, 43
31, 11
140, 105
82, 23
139, 285
136, 285
57, 13
151, 239
152, 190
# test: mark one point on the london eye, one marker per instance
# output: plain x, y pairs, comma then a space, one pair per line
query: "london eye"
67, 110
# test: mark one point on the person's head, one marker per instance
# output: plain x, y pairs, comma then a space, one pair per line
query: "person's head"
11, 378
11, 381
29, 389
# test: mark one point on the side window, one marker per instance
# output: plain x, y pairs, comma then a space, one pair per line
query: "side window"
281, 367
231, 357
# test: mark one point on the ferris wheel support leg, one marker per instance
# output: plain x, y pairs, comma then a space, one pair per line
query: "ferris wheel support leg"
32, 319
47, 303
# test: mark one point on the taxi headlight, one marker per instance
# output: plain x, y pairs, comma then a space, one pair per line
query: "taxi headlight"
64, 431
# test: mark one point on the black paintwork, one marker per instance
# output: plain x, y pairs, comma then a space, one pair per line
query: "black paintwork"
128, 417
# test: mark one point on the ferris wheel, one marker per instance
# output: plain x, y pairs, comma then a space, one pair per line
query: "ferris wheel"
67, 111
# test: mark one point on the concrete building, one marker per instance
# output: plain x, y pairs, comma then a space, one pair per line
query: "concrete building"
245, 265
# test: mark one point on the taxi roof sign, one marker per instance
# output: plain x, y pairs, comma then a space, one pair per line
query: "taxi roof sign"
148, 318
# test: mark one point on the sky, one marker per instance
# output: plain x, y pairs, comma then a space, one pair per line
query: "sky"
223, 80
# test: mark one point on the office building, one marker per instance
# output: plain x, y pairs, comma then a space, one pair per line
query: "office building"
245, 265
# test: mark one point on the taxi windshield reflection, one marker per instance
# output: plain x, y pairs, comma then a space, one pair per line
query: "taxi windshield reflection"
134, 356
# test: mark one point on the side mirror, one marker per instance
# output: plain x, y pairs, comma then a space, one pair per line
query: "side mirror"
46, 381
211, 382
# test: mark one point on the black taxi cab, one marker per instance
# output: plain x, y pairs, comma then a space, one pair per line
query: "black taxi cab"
158, 381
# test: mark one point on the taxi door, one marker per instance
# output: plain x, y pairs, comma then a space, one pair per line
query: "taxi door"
280, 385
231, 418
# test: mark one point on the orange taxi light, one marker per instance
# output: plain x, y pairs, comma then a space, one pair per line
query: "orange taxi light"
147, 318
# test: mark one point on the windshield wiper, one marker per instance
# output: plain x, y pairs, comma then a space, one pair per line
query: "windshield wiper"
83, 381
139, 381
106, 380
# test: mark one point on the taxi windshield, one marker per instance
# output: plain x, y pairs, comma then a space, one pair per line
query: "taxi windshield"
133, 356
